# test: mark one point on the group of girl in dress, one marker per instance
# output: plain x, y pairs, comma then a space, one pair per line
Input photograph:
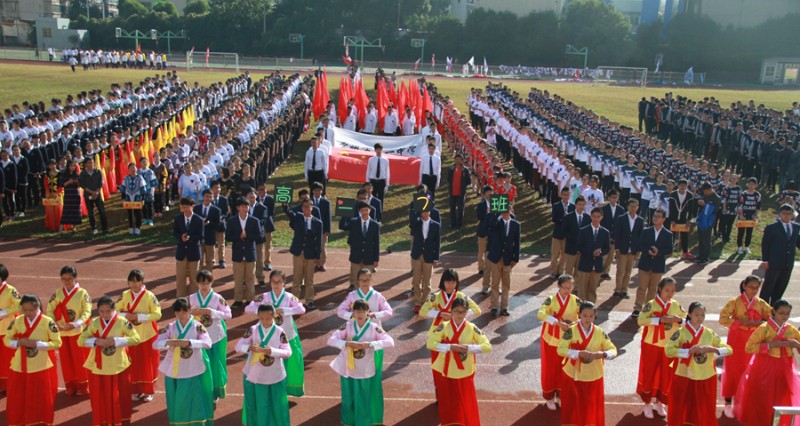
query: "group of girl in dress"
115, 357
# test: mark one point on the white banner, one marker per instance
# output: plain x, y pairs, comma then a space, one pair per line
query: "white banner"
400, 145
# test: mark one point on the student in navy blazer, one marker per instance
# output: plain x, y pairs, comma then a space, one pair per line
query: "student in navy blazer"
504, 242
374, 201
656, 247
187, 228
211, 220
559, 212
266, 200
627, 243
422, 191
594, 243
778, 250
483, 213
306, 248
365, 248
572, 225
324, 206
258, 211
425, 246
611, 211
221, 202
243, 251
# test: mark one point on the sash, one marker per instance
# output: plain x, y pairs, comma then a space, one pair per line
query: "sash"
659, 333
556, 330
98, 351
351, 359
263, 344
695, 340
454, 340
781, 331
581, 346
3, 287
176, 358
23, 356
448, 302
132, 307
61, 308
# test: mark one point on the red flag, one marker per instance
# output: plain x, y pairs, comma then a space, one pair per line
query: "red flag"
351, 166
577, 74
428, 105
318, 104
361, 102
402, 100
344, 96
392, 94
419, 104
416, 64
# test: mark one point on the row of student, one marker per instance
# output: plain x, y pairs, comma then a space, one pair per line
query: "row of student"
115, 357
677, 376
748, 139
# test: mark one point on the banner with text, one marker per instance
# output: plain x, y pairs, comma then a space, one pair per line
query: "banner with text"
400, 145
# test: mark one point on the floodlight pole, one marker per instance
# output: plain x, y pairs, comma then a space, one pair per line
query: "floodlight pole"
572, 50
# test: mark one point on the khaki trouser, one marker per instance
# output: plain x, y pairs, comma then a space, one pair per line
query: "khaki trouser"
220, 247
624, 266
587, 283
354, 268
303, 278
501, 274
267, 249
482, 243
421, 280
557, 257
323, 257
571, 265
648, 284
259, 273
185, 269
243, 281
609, 260
208, 256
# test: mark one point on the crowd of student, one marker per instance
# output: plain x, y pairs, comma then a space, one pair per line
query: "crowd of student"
91, 59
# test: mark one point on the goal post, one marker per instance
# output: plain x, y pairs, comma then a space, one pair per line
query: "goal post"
202, 59
623, 76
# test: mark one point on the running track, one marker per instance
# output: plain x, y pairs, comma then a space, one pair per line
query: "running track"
507, 379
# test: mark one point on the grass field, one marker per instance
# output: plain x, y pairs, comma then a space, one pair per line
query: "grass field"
37, 82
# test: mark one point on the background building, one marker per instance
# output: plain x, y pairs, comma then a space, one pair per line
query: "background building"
738, 13
18, 18
462, 8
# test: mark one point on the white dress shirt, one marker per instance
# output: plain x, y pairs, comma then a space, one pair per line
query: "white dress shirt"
372, 168
424, 168
321, 162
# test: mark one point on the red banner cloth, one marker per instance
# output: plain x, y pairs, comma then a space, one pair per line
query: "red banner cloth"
350, 165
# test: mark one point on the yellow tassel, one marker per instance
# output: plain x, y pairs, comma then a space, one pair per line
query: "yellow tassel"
176, 360
351, 360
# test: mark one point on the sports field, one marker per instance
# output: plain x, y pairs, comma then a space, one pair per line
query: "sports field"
34, 82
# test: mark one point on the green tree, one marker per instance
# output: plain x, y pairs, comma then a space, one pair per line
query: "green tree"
165, 7
600, 27
129, 8
692, 41
196, 7
540, 41
647, 44
78, 8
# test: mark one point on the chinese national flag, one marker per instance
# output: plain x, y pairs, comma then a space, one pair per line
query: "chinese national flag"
344, 96
361, 102
350, 165
428, 105
402, 100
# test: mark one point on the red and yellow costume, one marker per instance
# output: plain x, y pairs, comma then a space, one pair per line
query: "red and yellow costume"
693, 397
582, 392
145, 359
9, 309
55, 196
554, 309
656, 370
33, 374
735, 310
72, 307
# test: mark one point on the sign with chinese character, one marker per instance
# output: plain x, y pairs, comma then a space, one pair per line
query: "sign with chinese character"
499, 203
283, 195
345, 207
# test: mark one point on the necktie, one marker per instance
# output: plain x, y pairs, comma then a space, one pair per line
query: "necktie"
595, 234
788, 231
506, 229
205, 211
308, 224
313, 160
364, 228
378, 169
187, 223
430, 165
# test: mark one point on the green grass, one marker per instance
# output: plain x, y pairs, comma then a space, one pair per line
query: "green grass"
31, 82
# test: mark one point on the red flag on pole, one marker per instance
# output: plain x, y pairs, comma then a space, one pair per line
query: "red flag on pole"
428, 105
402, 100
361, 102
344, 96
318, 103
381, 101
419, 104
416, 64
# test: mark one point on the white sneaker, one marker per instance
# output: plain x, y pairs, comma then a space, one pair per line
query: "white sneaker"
130, 231
551, 404
740, 251
95, 232
147, 398
166, 208
20, 214
137, 231
136, 397
648, 411
661, 410
728, 411
747, 250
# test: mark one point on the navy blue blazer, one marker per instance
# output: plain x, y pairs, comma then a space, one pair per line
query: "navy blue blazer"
608, 221
427, 248
259, 211
243, 249
190, 249
628, 241
378, 206
314, 211
324, 206
222, 204
501, 246
305, 242
559, 214
657, 263
210, 223
587, 244
363, 248
483, 212
777, 249
571, 229
269, 203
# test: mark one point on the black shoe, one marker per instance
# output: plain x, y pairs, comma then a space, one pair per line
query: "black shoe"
554, 276
617, 294
605, 277
480, 273
221, 264
267, 267
311, 305
237, 305
635, 314
505, 313
494, 312
624, 296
